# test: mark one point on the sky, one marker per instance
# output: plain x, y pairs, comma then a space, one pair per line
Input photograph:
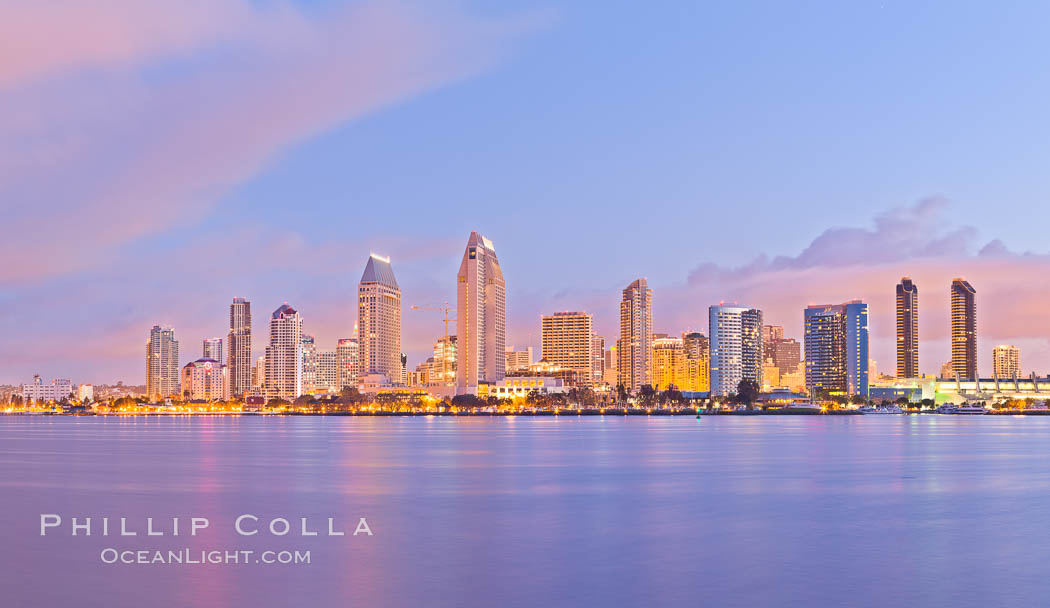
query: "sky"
161, 158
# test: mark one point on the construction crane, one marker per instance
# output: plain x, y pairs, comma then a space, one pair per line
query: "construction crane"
444, 345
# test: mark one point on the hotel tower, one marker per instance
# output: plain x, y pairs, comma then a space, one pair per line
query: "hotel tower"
634, 349
239, 347
481, 316
836, 346
964, 330
907, 329
378, 322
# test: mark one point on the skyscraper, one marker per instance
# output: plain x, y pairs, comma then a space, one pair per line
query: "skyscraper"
379, 320
635, 346
597, 359
836, 345
964, 330
670, 369
481, 316
736, 347
239, 347
697, 360
212, 349
1006, 361
567, 341
348, 354
162, 363
907, 329
310, 366
327, 379
284, 355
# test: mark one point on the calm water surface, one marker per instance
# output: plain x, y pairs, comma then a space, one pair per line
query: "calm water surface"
728, 511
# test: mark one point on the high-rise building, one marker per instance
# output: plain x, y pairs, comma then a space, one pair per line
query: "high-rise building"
670, 369
786, 354
634, 348
1006, 360
212, 349
348, 352
239, 347
517, 360
736, 347
162, 363
771, 334
697, 351
481, 316
947, 370
964, 330
327, 378
836, 344
611, 374
379, 320
310, 366
284, 355
907, 329
567, 341
205, 379
597, 359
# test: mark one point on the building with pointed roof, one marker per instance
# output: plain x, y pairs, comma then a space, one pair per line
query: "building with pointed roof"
481, 316
379, 321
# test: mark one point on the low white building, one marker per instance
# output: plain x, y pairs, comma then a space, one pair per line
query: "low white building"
513, 387
38, 392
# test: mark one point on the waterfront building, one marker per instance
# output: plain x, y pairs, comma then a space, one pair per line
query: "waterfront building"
517, 360
597, 359
348, 353
567, 341
481, 316
669, 364
836, 345
634, 348
545, 369
444, 369
54, 391
519, 387
212, 349
735, 333
697, 352
239, 347
947, 370
964, 329
162, 363
379, 321
85, 393
284, 355
327, 376
907, 329
1006, 361
309, 365
205, 379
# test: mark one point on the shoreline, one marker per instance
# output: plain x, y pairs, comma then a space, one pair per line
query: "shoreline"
536, 413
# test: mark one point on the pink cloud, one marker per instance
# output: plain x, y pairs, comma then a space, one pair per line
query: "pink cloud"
844, 263
134, 155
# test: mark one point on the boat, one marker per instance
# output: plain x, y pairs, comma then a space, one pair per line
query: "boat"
801, 407
891, 408
965, 408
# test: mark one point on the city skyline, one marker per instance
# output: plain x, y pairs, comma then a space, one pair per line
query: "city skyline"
841, 197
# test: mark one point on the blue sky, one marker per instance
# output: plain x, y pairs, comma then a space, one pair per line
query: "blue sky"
592, 142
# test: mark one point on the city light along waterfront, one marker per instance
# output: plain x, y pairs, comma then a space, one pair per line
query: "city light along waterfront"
743, 365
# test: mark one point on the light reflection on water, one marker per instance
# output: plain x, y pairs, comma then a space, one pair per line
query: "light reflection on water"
929, 510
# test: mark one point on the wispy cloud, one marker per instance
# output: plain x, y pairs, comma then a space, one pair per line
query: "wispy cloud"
145, 115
